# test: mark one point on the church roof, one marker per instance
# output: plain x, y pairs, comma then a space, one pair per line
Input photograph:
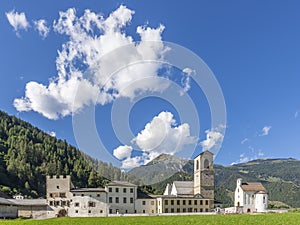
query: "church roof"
184, 187
253, 187
88, 190
121, 183
29, 202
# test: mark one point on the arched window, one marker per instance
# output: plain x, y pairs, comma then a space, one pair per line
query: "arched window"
206, 164
197, 164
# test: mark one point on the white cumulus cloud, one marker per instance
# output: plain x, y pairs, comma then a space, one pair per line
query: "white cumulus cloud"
90, 61
214, 139
265, 130
17, 20
160, 135
41, 27
122, 152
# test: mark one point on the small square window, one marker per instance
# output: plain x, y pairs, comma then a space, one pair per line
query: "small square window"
76, 211
89, 211
98, 195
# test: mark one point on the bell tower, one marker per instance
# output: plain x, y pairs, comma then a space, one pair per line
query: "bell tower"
204, 175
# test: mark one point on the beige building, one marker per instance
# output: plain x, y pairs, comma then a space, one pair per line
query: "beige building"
121, 197
88, 201
191, 196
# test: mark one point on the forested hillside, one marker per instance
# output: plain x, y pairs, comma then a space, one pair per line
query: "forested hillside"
28, 154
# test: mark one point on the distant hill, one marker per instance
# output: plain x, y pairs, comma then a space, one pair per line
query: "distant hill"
159, 169
281, 177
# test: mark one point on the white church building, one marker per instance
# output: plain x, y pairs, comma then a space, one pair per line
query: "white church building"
250, 197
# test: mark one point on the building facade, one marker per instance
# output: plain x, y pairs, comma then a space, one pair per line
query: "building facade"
250, 197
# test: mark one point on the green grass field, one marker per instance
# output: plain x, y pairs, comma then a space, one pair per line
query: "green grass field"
255, 219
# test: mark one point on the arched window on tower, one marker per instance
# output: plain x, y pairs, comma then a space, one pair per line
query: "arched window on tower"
206, 164
197, 164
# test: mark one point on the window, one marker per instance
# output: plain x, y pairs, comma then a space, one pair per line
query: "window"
201, 202
82, 195
126, 211
201, 210
117, 199
172, 210
172, 202
90, 195
89, 211
124, 190
98, 195
74, 195
51, 195
143, 202
131, 200
206, 210
166, 202
57, 187
195, 210
152, 202
124, 200
178, 210
62, 195
117, 189
63, 203
57, 203
166, 210
110, 211
101, 211
76, 211
195, 202
190, 209
51, 203
131, 190
76, 204
183, 202
178, 202
197, 164
190, 202
144, 211
206, 164
92, 204
184, 210
206, 202
152, 211
110, 200
109, 189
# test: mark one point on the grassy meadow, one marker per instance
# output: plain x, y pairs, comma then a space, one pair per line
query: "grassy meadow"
245, 219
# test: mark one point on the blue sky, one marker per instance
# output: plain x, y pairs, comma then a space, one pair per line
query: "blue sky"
252, 48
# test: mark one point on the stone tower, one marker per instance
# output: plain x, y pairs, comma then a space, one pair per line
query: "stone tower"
204, 175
